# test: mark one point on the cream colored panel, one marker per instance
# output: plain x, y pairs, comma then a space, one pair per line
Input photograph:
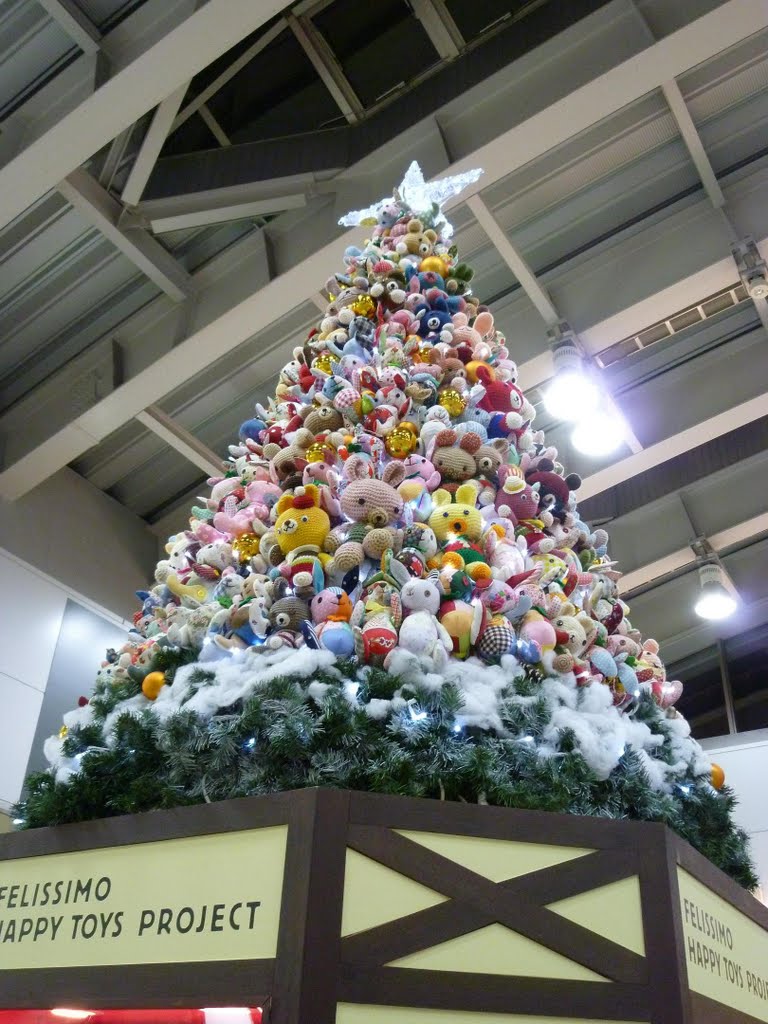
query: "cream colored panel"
613, 911
375, 894
349, 1013
726, 953
497, 950
206, 898
496, 859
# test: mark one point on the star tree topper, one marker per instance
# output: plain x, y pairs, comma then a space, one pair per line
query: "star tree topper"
418, 194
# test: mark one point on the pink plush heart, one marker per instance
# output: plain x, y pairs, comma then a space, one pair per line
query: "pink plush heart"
671, 692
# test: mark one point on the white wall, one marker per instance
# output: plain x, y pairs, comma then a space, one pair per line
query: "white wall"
76, 534
31, 611
744, 759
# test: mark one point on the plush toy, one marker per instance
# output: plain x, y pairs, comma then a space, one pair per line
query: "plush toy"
375, 622
300, 521
375, 506
454, 458
458, 518
420, 633
331, 611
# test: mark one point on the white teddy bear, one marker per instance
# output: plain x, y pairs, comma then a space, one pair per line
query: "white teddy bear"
420, 633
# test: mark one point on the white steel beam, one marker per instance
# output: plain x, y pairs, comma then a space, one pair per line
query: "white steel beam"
327, 66
725, 26
165, 427
228, 74
514, 260
215, 128
693, 142
151, 145
206, 208
684, 557
145, 82
539, 296
75, 23
439, 26
671, 447
103, 211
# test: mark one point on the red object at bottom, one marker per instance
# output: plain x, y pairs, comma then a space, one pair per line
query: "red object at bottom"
209, 1015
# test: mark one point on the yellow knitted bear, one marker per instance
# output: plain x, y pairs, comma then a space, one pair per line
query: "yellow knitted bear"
300, 521
453, 519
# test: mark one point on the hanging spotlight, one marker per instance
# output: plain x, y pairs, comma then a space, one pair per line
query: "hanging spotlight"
599, 433
572, 392
715, 601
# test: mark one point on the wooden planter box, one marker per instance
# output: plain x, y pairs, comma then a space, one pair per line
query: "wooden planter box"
328, 906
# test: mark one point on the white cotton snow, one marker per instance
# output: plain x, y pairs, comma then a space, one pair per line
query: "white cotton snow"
601, 733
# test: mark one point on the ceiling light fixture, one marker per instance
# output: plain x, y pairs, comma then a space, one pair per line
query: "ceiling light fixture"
67, 1014
715, 601
572, 392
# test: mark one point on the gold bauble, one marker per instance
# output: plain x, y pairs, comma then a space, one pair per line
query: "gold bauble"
400, 443
363, 306
718, 776
435, 264
411, 427
453, 402
317, 451
323, 363
474, 365
246, 546
153, 684
63, 732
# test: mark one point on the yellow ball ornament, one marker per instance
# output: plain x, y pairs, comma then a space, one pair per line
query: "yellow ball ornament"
718, 776
63, 732
400, 443
323, 363
317, 451
364, 306
153, 684
434, 264
453, 402
246, 546
411, 427
472, 368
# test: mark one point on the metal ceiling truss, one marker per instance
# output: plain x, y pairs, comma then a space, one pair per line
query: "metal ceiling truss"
327, 65
440, 27
144, 83
180, 439
152, 143
100, 209
609, 92
75, 23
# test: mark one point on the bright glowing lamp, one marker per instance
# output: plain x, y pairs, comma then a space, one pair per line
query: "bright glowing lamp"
67, 1014
572, 393
597, 434
715, 602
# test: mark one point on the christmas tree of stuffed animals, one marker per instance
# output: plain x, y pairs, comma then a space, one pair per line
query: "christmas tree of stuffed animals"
390, 588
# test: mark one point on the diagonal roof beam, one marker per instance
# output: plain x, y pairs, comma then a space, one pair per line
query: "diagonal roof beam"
326, 64
526, 278
101, 210
179, 438
228, 74
707, 36
151, 145
142, 85
538, 295
75, 23
693, 142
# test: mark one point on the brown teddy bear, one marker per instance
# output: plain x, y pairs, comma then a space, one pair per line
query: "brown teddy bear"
454, 458
417, 241
373, 506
